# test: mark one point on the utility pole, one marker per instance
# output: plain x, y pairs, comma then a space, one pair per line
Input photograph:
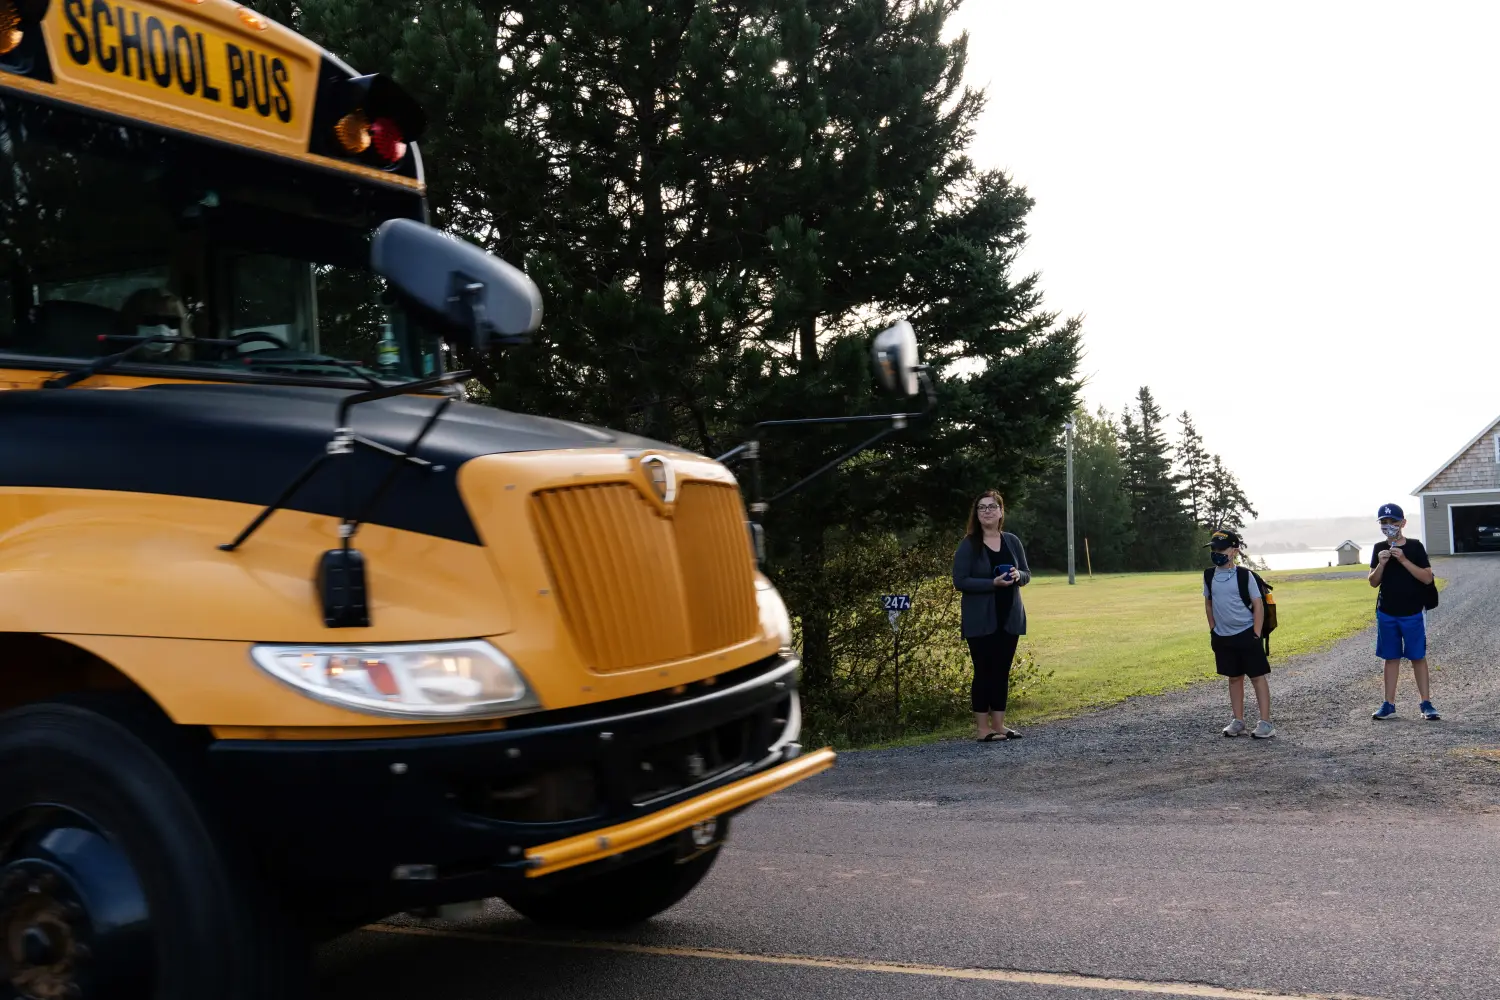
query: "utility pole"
1069, 428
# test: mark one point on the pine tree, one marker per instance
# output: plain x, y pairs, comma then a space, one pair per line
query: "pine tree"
1101, 507
1161, 525
1103, 510
1193, 461
721, 200
1228, 506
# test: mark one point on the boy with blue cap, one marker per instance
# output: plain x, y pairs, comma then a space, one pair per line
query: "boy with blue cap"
1400, 568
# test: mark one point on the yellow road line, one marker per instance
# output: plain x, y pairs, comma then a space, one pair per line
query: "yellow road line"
1057, 979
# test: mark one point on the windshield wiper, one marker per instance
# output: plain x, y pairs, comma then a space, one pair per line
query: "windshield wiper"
321, 361
109, 361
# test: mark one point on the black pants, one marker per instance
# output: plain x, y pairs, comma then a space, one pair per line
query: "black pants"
992, 656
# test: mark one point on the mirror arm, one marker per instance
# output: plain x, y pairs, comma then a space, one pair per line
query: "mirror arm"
468, 294
929, 390
929, 404
733, 453
830, 466
750, 449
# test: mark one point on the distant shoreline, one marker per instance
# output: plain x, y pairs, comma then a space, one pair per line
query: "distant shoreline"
1289, 549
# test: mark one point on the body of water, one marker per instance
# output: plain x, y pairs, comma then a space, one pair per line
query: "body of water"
1311, 559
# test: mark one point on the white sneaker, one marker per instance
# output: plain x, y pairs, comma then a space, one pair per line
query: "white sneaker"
1235, 728
1264, 731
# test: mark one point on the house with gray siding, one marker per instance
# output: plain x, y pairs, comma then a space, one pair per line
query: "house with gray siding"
1461, 500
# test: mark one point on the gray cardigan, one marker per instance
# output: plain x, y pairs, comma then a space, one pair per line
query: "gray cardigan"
971, 575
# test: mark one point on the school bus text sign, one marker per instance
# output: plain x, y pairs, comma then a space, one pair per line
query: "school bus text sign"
182, 66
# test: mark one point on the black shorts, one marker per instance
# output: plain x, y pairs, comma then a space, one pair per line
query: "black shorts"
1240, 655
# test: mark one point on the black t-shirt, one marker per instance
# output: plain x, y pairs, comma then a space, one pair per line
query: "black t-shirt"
1401, 595
1004, 596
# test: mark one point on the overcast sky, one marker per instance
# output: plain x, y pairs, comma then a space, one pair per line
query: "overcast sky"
1283, 217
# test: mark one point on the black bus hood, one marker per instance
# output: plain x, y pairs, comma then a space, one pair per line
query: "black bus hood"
245, 444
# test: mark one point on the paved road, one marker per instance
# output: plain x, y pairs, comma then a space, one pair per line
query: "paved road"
1133, 852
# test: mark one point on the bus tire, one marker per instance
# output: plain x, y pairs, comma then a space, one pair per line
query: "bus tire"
616, 899
111, 884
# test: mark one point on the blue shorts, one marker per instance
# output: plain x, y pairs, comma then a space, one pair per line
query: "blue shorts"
1400, 637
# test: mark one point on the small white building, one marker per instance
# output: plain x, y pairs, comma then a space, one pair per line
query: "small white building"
1348, 553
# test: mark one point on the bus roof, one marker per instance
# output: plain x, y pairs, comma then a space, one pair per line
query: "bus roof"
215, 69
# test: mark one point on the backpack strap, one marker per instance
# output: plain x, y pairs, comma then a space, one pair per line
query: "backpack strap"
1245, 575
1208, 581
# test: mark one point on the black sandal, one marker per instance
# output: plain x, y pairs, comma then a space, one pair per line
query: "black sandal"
1011, 734
988, 738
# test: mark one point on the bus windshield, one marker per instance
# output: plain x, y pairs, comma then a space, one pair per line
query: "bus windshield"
110, 231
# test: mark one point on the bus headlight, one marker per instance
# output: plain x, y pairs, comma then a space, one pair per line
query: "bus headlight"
774, 619
442, 680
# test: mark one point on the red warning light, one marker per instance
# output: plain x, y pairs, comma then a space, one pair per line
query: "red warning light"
388, 141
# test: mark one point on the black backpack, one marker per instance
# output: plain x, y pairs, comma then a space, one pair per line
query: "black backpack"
1268, 624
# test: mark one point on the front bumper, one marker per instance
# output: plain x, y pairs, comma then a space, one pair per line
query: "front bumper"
422, 820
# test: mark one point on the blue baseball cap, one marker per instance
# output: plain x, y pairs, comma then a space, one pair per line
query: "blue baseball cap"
1392, 511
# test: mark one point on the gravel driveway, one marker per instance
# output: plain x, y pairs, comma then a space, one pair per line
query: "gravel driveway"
1160, 755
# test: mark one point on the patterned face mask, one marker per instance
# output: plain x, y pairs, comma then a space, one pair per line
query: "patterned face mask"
1220, 558
156, 330
1391, 530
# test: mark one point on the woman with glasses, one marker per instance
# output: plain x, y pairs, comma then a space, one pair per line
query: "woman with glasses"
989, 568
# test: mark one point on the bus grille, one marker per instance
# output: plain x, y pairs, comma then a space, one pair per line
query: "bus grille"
638, 588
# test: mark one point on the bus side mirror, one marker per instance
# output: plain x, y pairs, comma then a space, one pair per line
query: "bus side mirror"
895, 355
457, 283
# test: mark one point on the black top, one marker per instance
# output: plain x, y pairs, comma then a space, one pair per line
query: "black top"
1401, 595
1004, 596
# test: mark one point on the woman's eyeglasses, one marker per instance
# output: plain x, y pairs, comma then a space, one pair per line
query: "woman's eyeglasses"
985, 508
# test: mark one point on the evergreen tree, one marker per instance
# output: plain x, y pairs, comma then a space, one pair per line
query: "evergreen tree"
1103, 516
720, 200
1228, 506
1193, 461
1101, 507
1162, 527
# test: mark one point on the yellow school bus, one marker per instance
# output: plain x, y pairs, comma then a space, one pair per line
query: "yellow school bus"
293, 636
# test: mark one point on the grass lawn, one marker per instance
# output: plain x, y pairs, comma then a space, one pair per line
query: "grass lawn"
1144, 633
1116, 636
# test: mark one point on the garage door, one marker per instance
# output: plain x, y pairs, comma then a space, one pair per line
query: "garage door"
1476, 529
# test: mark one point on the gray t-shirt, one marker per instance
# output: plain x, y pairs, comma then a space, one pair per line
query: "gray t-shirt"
1231, 617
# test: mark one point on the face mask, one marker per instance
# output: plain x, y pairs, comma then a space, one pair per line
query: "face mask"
159, 330
1220, 558
1391, 530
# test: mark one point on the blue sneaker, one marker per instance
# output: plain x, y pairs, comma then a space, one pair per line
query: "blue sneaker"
1385, 712
1429, 713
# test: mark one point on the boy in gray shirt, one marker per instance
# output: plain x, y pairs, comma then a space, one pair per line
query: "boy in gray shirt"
1235, 633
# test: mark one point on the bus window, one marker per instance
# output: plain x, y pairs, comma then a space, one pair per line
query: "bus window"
111, 230
109, 290
270, 295
324, 309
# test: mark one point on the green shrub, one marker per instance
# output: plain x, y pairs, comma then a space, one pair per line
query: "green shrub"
858, 703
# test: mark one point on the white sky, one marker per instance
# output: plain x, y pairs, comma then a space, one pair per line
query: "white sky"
1283, 217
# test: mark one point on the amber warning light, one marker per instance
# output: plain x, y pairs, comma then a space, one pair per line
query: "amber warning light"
356, 133
10, 28
353, 132
376, 122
